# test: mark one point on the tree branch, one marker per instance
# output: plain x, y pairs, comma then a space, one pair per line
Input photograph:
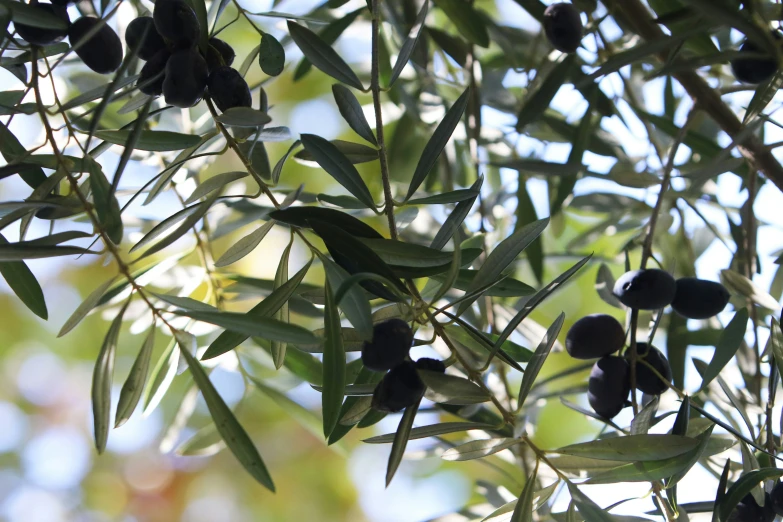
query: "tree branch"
636, 15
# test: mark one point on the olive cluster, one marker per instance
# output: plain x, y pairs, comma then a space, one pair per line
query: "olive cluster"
176, 68
388, 352
598, 336
92, 39
563, 27
748, 510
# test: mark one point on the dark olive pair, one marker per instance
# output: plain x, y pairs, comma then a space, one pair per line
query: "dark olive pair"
388, 351
652, 289
93, 40
610, 379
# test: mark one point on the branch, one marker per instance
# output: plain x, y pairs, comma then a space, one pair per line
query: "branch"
636, 15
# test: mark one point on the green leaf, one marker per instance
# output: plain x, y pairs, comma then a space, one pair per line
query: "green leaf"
24, 284
229, 340
105, 201
399, 253
204, 443
83, 309
355, 257
159, 141
162, 376
432, 431
469, 22
329, 35
278, 170
539, 356
355, 304
101, 383
271, 55
449, 389
774, 344
742, 487
477, 449
456, 217
334, 364
252, 325
508, 287
438, 141
729, 343
245, 245
454, 196
400, 441
322, 55
739, 284
227, 425
409, 44
641, 422
338, 166
523, 511
587, 508
25, 14
351, 111
134, 384
301, 217
26, 250
502, 256
355, 152
214, 183
281, 276
632, 448
604, 284
536, 299
763, 95
244, 117
538, 101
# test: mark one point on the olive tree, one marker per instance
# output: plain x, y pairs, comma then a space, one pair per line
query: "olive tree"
490, 166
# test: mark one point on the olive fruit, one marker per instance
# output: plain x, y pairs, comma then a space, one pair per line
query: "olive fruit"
225, 51
748, 510
698, 298
141, 32
754, 70
176, 21
648, 289
776, 498
608, 387
594, 336
646, 380
186, 78
153, 73
400, 388
39, 35
430, 365
228, 89
102, 52
390, 344
563, 27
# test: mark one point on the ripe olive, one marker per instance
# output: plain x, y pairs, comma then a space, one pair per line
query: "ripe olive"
391, 342
563, 27
698, 298
400, 388
228, 89
594, 336
101, 52
646, 380
153, 73
748, 510
150, 43
776, 498
609, 385
41, 36
431, 365
225, 51
176, 22
754, 70
186, 78
648, 289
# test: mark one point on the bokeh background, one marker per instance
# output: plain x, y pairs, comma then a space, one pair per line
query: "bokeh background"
49, 470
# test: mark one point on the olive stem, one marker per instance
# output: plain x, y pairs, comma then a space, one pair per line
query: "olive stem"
375, 87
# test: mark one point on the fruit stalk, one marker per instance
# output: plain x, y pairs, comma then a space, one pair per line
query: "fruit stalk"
375, 87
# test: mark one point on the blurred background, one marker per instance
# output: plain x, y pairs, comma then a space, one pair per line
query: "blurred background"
49, 470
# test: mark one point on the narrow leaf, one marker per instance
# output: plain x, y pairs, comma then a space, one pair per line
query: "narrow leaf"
254, 326
432, 431
245, 245
539, 356
351, 111
409, 44
160, 141
322, 55
400, 441
632, 448
134, 384
334, 364
24, 284
102, 376
456, 217
728, 345
271, 55
477, 449
83, 309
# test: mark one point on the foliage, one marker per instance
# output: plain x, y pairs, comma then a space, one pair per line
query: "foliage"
429, 214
